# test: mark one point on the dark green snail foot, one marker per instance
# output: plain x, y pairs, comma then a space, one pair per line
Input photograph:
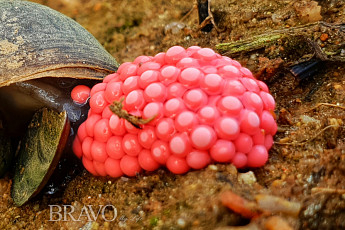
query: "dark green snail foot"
39, 153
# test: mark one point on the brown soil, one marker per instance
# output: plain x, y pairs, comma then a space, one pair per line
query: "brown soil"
306, 165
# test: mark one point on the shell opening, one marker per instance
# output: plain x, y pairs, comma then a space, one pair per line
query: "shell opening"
21, 100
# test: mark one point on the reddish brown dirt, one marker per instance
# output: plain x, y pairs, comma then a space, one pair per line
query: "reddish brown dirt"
306, 165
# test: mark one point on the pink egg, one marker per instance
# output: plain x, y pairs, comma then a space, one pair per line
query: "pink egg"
268, 141
177, 165
86, 147
173, 107
268, 123
99, 168
206, 54
88, 164
80, 94
159, 58
227, 128
187, 62
230, 105
127, 71
117, 125
114, 147
169, 74
250, 122
239, 160
142, 59
82, 134
246, 72
113, 91
197, 159
130, 84
258, 156
190, 77
98, 151
155, 92
233, 87
223, 150
185, 121
153, 110
102, 131
268, 101
165, 129
208, 115
192, 50
77, 148
98, 102
148, 77
250, 84
252, 101
203, 137
131, 145
148, 66
112, 167
212, 84
146, 161
160, 151
90, 124
195, 99
106, 113
243, 143
147, 137
135, 100
174, 54
111, 77
97, 88
129, 165
230, 72
180, 144
175, 90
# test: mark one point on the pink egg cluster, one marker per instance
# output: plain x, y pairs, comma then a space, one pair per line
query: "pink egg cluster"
203, 108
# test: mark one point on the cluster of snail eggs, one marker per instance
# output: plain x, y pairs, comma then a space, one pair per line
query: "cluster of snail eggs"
199, 107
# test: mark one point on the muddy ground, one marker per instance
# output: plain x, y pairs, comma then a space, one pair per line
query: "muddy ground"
306, 168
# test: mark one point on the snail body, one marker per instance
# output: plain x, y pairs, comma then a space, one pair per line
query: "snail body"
43, 55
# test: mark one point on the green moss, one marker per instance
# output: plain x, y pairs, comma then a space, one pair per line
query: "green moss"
154, 221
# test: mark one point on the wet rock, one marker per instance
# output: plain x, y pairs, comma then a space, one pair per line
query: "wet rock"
247, 178
308, 11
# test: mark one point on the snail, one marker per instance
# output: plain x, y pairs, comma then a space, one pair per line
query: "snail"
43, 55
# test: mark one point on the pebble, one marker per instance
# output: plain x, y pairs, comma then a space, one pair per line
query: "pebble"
247, 178
181, 223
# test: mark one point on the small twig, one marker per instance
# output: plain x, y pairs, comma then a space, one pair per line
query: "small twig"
205, 22
306, 140
195, 6
326, 104
136, 121
206, 19
259, 42
298, 37
327, 190
211, 15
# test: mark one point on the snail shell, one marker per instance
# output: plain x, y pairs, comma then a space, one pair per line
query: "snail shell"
36, 42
